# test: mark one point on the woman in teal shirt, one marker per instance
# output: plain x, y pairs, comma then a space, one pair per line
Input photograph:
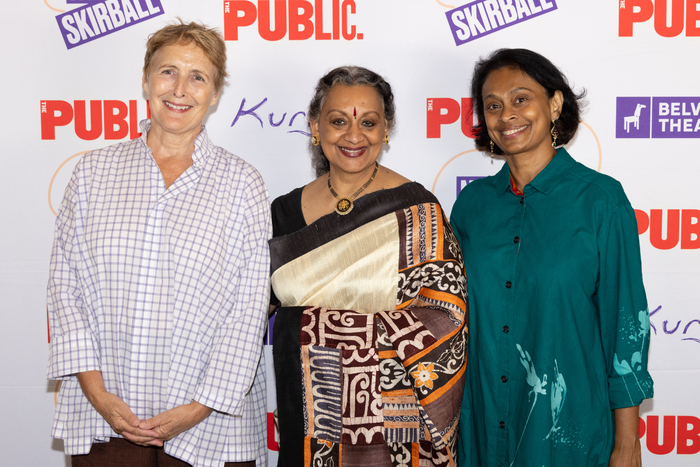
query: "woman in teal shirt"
559, 322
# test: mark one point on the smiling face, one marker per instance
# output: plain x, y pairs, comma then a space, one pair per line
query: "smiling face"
351, 127
519, 113
180, 88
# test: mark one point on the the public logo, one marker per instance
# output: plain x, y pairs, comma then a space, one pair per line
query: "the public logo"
658, 117
669, 228
112, 119
664, 433
296, 20
99, 18
446, 111
671, 17
480, 18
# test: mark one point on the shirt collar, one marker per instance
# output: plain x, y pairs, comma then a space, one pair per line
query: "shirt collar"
503, 180
545, 181
203, 146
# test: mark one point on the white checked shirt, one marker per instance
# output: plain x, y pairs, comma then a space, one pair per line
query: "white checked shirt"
165, 291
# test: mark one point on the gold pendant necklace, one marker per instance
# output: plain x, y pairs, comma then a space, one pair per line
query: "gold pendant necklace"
345, 205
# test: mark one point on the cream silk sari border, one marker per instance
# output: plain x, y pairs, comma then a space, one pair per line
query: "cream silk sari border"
358, 271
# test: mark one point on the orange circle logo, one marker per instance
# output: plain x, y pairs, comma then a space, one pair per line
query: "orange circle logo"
55, 174
52, 8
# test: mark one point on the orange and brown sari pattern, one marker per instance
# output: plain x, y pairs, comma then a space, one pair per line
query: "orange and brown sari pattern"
381, 388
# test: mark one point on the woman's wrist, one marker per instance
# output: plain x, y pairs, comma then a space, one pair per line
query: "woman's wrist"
627, 428
92, 385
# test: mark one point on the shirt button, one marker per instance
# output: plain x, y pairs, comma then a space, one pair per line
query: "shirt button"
508, 285
502, 425
522, 200
516, 239
504, 379
506, 329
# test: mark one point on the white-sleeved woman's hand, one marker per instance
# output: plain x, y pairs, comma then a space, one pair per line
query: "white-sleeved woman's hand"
172, 422
115, 411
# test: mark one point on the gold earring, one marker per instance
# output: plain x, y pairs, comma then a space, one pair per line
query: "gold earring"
386, 139
315, 140
554, 133
491, 149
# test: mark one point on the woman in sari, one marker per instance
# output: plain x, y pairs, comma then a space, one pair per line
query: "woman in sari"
370, 337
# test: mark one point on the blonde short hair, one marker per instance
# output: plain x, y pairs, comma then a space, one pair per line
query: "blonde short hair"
207, 39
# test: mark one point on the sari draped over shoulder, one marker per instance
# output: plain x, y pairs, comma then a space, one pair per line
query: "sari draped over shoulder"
370, 342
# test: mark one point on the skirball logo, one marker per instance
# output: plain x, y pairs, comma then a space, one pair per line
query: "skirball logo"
99, 18
480, 18
658, 117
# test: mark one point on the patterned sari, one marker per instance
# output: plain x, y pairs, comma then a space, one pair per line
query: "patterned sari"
370, 343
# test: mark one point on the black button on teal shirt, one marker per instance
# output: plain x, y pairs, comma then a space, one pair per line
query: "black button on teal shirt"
576, 342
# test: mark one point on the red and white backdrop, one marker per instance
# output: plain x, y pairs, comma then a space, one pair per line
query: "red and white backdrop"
71, 82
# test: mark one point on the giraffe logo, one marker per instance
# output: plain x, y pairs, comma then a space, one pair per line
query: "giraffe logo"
633, 117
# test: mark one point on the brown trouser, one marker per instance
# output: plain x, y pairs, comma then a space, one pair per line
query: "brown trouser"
121, 453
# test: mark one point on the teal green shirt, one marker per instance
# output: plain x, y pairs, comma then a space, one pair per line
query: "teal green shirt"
559, 322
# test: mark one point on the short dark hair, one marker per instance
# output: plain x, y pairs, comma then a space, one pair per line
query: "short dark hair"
539, 69
347, 76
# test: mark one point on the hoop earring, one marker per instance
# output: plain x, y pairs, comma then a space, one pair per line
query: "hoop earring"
315, 140
491, 142
554, 133
386, 139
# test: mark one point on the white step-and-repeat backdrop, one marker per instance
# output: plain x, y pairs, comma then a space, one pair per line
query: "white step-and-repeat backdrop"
71, 82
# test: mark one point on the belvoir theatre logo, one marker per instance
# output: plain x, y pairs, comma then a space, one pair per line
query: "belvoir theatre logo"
99, 18
658, 117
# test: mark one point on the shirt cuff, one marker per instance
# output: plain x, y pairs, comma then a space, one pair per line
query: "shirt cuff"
229, 405
71, 354
631, 389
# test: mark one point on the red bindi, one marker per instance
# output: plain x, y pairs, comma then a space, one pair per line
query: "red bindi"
354, 112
